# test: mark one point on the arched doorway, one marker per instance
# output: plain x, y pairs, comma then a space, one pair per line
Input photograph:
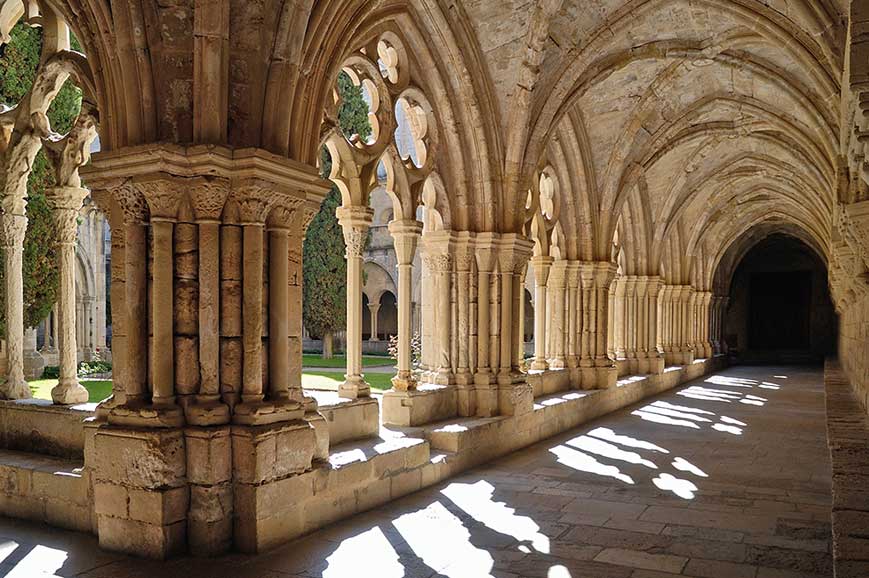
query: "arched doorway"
779, 304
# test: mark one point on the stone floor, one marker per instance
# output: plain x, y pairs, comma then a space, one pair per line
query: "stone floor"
725, 477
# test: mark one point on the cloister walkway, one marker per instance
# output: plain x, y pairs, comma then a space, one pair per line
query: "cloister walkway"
725, 477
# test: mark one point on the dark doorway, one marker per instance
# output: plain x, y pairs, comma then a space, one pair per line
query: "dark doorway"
780, 310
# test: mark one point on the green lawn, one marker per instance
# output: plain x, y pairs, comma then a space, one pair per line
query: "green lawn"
339, 361
332, 379
99, 390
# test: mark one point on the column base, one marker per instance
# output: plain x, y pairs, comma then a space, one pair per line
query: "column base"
603, 377
107, 405
69, 393
17, 389
443, 377
142, 414
420, 407
466, 399
267, 412
404, 381
354, 387
539, 365
515, 398
655, 365
557, 364
487, 397
207, 413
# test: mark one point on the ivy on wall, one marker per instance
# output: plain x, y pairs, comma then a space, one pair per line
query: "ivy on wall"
19, 60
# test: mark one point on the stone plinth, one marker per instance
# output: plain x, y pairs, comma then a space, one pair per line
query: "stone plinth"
209, 472
141, 496
266, 462
426, 404
351, 419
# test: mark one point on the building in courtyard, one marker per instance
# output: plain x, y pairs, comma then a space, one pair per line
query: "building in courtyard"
563, 211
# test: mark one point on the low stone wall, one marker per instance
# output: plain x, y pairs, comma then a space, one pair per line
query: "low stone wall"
39, 427
46, 489
848, 439
156, 492
362, 476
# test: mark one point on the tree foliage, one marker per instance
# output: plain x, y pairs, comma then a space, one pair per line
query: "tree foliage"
324, 266
18, 65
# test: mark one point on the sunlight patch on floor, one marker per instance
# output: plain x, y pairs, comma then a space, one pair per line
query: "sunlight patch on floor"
585, 463
682, 488
451, 553
606, 433
608, 450
380, 557
476, 500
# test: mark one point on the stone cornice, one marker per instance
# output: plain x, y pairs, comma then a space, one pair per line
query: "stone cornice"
286, 175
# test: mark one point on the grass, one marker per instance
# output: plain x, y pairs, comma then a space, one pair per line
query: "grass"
98, 390
332, 379
339, 361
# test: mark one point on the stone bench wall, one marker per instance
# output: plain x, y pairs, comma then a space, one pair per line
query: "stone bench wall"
848, 439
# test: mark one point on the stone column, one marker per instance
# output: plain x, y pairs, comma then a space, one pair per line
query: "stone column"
464, 378
438, 254
279, 224
605, 368
573, 323
373, 310
14, 226
619, 316
355, 222
112, 209
65, 203
557, 285
687, 323
505, 270
655, 357
163, 197
541, 264
485, 254
405, 235
207, 198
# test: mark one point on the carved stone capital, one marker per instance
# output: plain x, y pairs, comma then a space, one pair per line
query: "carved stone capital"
132, 202
208, 197
541, 264
255, 199
405, 235
355, 222
437, 262
12, 230
163, 195
285, 215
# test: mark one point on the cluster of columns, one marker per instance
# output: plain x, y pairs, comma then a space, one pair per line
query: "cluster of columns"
572, 320
677, 324
206, 264
636, 323
207, 300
